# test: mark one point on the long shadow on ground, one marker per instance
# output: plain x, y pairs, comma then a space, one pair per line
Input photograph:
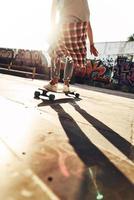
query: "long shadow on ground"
110, 179
123, 145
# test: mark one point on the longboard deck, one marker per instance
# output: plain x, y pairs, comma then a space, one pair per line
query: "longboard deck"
51, 94
58, 91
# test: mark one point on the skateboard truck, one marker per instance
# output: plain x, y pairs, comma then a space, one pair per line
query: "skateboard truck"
43, 92
72, 93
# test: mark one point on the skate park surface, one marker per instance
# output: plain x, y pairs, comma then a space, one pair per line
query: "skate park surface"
68, 149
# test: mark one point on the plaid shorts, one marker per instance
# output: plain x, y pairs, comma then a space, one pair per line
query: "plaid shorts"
71, 42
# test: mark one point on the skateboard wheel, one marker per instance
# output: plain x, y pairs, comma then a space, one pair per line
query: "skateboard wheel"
36, 94
77, 95
51, 97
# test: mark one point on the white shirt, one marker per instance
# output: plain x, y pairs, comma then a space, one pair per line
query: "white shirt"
74, 8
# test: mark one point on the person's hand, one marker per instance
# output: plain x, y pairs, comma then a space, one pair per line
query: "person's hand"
93, 50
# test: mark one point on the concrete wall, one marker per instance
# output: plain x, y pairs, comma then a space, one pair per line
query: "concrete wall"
114, 49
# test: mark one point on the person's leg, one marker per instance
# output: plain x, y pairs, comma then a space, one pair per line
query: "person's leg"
68, 71
55, 70
55, 75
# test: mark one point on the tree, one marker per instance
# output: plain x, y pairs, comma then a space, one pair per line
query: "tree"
131, 38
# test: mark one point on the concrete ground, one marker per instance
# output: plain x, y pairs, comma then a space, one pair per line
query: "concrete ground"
68, 149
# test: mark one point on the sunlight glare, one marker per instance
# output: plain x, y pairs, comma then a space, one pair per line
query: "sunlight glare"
19, 127
26, 25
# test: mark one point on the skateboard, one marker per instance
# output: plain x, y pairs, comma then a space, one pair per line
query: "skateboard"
46, 93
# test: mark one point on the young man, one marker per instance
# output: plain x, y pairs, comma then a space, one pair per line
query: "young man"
69, 44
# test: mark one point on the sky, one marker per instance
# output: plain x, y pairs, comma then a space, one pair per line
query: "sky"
26, 23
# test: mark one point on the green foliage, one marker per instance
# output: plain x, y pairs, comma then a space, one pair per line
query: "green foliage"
131, 38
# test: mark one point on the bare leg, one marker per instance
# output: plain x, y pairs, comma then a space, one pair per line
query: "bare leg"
55, 71
68, 70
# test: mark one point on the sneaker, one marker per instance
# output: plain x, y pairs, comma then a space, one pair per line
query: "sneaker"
66, 89
50, 87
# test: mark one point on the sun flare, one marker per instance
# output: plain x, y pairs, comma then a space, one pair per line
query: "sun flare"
29, 22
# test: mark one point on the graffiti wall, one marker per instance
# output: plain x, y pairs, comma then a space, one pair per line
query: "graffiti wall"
23, 57
124, 71
113, 72
6, 55
96, 70
108, 70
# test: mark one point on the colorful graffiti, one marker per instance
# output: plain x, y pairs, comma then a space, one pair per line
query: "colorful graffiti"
22, 58
116, 73
27, 57
124, 71
106, 71
6, 55
95, 70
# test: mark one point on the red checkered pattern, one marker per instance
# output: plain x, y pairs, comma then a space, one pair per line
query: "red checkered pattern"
72, 42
